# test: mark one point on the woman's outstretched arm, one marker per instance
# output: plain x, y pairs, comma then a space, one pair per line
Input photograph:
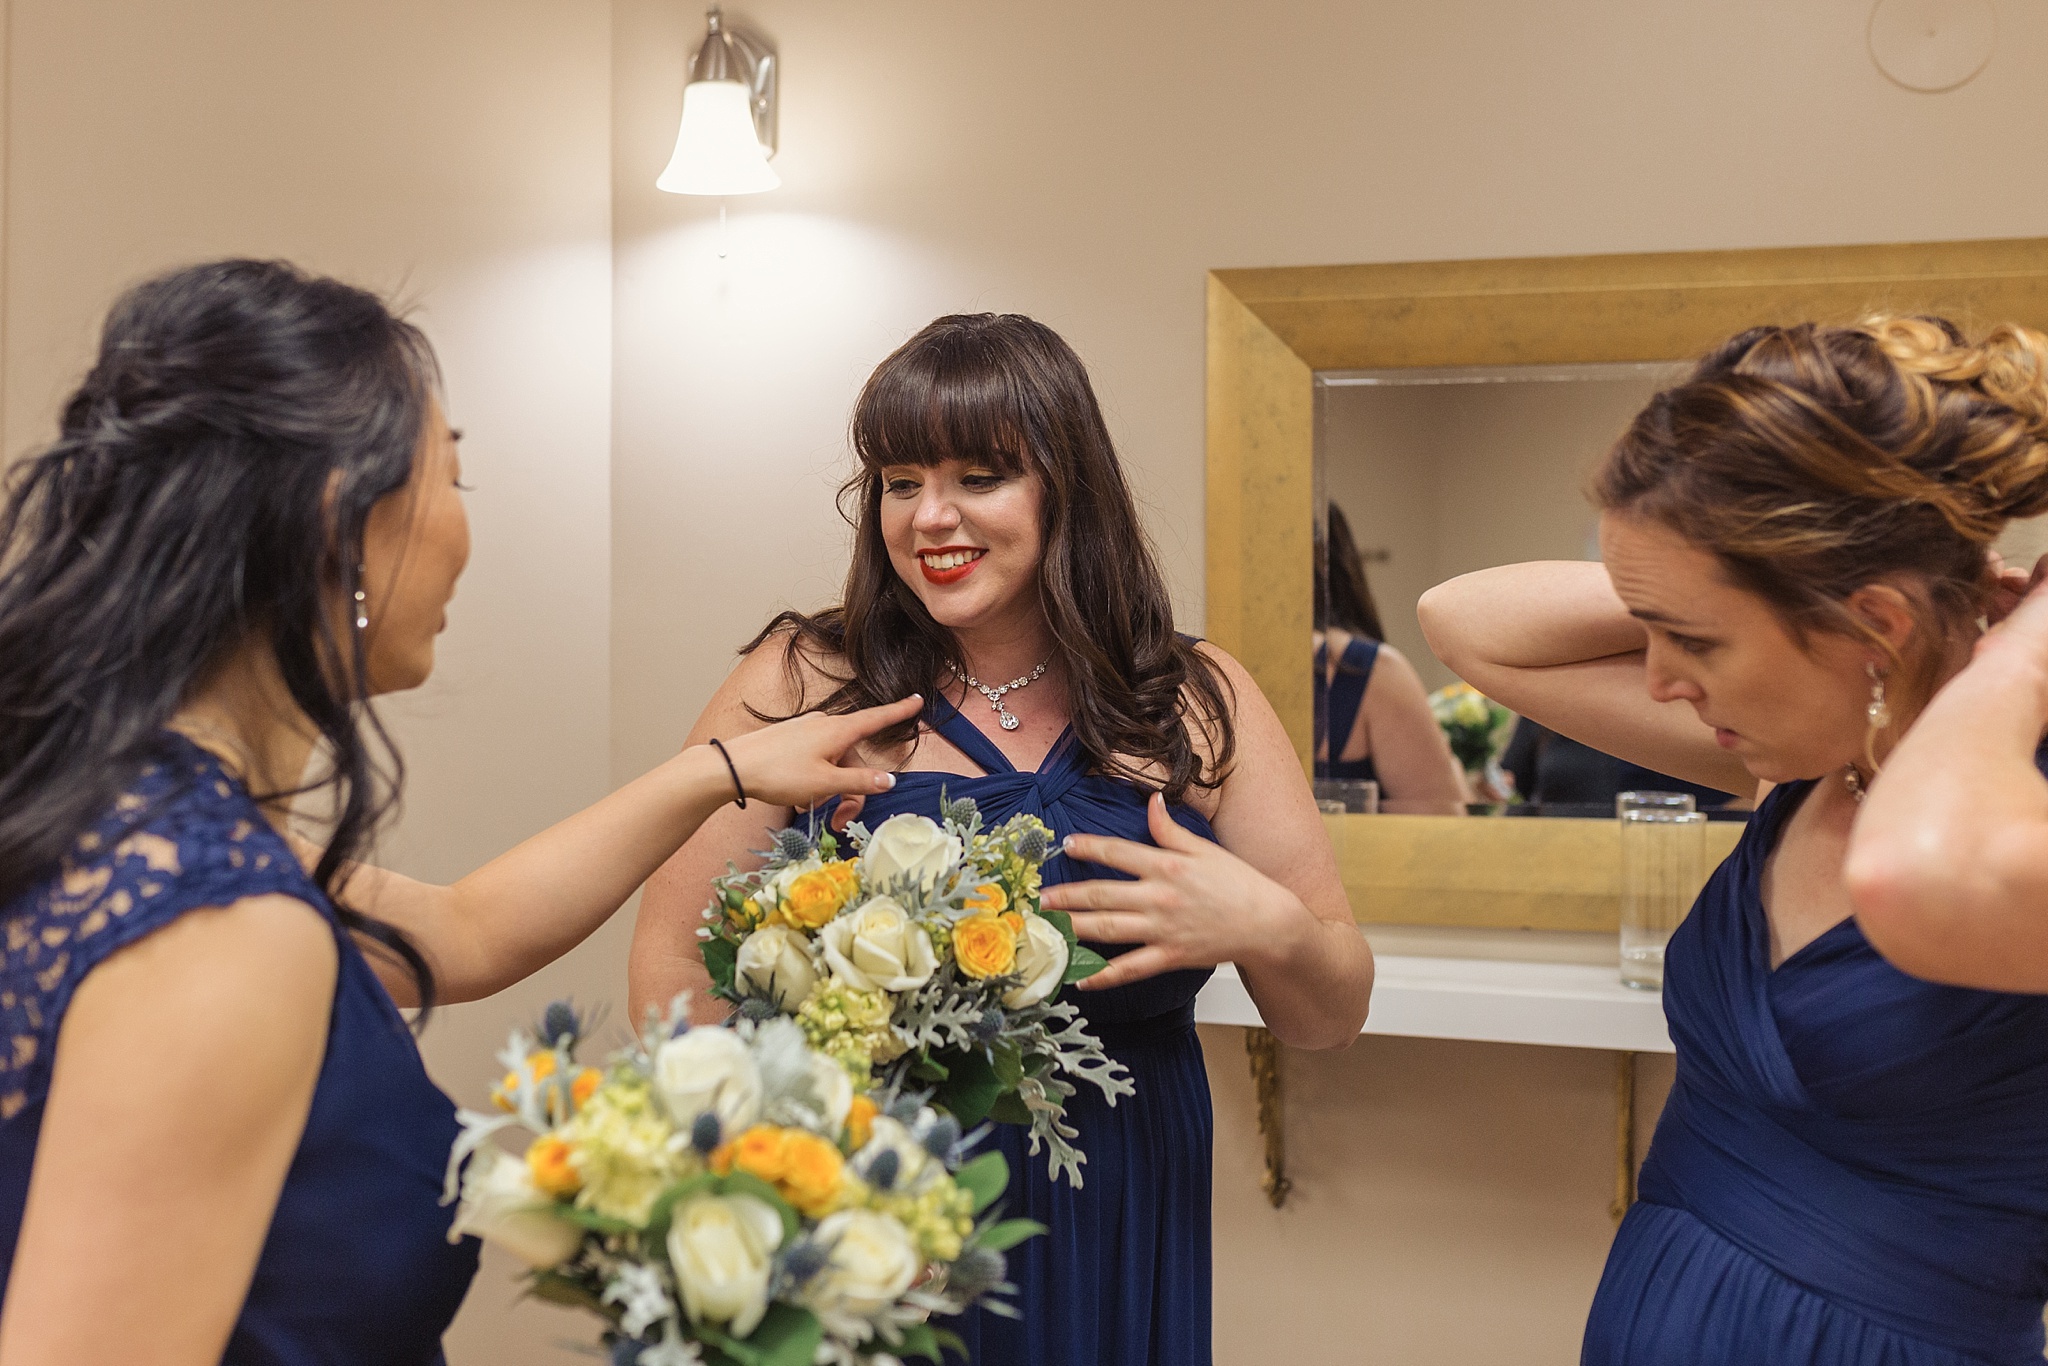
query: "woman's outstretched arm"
1948, 859
1551, 641
525, 908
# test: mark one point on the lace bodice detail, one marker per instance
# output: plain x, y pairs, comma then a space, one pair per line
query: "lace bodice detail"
182, 836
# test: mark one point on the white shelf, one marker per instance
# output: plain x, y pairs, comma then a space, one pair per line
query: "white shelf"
1487, 1000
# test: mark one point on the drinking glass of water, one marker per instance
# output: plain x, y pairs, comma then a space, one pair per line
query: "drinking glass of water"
1663, 864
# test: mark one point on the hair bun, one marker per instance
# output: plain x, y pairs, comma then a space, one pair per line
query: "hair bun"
1990, 396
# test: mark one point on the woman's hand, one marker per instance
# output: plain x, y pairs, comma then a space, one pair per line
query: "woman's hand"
1195, 904
802, 761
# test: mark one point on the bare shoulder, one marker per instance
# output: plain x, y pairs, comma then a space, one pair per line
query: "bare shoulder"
1393, 673
781, 676
1260, 739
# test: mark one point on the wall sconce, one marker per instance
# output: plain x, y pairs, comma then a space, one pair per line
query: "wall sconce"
728, 129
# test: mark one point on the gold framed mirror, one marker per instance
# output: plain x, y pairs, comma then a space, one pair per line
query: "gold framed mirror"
1271, 332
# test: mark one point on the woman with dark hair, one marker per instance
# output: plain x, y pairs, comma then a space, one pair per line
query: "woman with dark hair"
1376, 721
217, 1140
1853, 1163
996, 539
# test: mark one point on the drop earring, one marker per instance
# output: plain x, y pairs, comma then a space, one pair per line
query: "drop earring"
362, 602
1879, 711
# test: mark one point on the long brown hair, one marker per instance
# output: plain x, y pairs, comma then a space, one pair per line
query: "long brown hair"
1813, 461
1005, 392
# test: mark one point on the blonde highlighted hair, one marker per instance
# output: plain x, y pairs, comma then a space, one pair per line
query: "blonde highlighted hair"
1813, 461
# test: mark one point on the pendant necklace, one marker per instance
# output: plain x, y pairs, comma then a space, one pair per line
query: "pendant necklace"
995, 695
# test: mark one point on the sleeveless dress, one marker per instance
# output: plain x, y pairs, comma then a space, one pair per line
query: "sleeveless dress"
1346, 697
1123, 1277
356, 1266
1852, 1166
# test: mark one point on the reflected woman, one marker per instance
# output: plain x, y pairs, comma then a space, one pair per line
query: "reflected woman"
217, 1139
1378, 720
1853, 1163
998, 563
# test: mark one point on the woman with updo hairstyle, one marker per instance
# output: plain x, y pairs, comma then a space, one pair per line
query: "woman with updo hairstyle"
217, 1140
999, 566
1853, 1162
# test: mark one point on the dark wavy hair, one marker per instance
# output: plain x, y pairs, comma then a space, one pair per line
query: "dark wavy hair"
1344, 597
1006, 392
208, 488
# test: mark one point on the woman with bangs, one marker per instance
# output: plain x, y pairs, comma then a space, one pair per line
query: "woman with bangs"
1852, 1166
999, 569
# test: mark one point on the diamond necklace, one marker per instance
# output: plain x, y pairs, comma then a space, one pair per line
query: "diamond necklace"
995, 695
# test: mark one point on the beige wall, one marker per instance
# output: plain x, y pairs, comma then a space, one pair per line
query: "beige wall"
656, 432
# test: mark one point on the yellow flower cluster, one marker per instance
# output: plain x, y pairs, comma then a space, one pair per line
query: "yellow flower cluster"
806, 1170
850, 1026
621, 1152
541, 1064
996, 852
939, 1217
860, 1122
813, 898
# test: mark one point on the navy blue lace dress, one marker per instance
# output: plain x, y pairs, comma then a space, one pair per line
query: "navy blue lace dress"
1123, 1278
356, 1266
1853, 1164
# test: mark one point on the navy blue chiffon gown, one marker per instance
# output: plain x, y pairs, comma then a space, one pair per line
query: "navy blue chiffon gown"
356, 1266
1852, 1166
1123, 1278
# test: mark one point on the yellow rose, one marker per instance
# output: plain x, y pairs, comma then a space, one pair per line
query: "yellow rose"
585, 1086
549, 1162
984, 946
757, 1152
805, 1170
541, 1065
820, 894
860, 1122
988, 899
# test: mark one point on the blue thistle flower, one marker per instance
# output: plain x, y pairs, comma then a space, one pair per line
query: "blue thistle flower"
962, 811
1033, 846
989, 1025
626, 1351
978, 1271
804, 1261
883, 1171
758, 1009
943, 1137
706, 1132
792, 843
560, 1026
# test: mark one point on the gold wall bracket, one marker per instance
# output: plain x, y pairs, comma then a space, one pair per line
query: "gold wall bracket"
1264, 1052
1624, 1134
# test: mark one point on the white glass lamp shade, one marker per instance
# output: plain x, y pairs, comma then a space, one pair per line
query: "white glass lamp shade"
717, 150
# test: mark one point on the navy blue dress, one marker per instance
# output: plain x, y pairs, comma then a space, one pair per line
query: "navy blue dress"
1123, 1278
1346, 695
356, 1266
1853, 1164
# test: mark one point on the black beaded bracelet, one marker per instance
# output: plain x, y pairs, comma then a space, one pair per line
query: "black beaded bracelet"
732, 768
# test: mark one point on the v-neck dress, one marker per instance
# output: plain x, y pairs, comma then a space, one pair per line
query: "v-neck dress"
1853, 1163
1123, 1277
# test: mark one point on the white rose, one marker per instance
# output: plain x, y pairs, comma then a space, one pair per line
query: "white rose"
909, 846
833, 1090
776, 887
722, 1248
913, 1164
873, 1262
879, 945
775, 961
1041, 962
709, 1070
501, 1205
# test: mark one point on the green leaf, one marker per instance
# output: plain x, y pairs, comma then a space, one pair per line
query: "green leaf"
1008, 1060
721, 957
970, 1087
787, 1336
746, 1183
1009, 1233
556, 1288
664, 1207
950, 1341
1010, 1109
985, 1178
592, 1220
1082, 963
919, 1340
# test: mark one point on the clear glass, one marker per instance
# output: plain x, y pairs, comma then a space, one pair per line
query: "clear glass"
1663, 865
1358, 796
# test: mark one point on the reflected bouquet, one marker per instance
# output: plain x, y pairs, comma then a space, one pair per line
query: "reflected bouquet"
1476, 725
923, 962
726, 1196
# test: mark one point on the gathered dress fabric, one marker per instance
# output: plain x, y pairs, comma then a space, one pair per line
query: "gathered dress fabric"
356, 1266
1853, 1163
1122, 1279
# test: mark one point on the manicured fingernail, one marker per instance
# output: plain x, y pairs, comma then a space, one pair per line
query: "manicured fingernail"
1067, 845
888, 781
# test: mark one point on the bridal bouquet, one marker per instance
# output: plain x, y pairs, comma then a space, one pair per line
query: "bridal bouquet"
726, 1196
922, 962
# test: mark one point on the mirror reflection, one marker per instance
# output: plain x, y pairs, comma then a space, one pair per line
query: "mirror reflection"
1427, 474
